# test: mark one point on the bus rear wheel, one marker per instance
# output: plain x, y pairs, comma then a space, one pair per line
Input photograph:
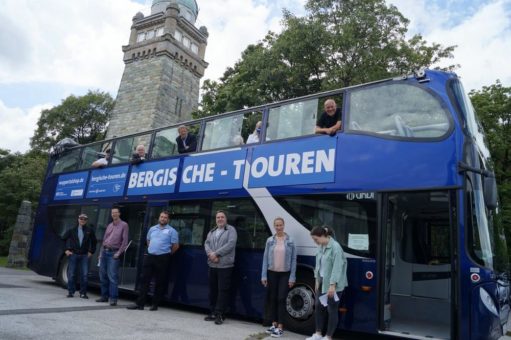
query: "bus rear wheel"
62, 273
300, 307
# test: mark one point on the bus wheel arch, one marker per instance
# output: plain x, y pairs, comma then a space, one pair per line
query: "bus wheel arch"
299, 316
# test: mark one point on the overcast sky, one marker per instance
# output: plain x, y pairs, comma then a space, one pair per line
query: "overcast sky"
50, 49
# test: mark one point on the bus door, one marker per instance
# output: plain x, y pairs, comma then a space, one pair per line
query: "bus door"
133, 214
417, 270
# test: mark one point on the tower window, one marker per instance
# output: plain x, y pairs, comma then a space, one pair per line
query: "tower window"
186, 42
178, 35
141, 37
159, 32
150, 34
195, 48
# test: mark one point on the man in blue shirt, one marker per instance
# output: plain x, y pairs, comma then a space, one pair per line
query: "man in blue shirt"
162, 241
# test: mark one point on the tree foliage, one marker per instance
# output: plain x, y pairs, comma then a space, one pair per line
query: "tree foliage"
493, 106
337, 44
83, 119
21, 180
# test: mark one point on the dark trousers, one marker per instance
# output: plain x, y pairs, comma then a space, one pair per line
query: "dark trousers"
277, 288
82, 262
154, 266
219, 289
328, 314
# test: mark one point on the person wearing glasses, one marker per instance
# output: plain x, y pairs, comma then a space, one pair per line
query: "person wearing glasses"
80, 245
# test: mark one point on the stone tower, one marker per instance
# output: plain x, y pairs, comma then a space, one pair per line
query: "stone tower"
164, 64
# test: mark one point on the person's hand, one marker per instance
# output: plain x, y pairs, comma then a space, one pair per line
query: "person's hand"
264, 282
331, 291
317, 286
89, 254
68, 252
116, 256
290, 284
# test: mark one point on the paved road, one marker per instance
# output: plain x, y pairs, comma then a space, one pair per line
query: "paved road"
34, 307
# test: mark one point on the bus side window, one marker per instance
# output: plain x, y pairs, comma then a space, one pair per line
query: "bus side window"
125, 147
223, 132
292, 120
67, 161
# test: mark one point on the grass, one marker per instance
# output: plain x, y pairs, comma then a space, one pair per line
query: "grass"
3, 261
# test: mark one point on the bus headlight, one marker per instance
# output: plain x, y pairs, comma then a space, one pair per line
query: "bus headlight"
488, 301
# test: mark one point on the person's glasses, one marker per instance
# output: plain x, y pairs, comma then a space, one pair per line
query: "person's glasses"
82, 218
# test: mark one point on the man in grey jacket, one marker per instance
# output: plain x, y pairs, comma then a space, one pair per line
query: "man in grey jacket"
220, 247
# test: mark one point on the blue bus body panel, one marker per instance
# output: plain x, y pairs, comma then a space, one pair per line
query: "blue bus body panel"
484, 324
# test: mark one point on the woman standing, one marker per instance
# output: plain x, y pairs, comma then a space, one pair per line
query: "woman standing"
330, 274
278, 274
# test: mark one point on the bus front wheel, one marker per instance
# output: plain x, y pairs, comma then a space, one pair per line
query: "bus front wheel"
300, 306
62, 273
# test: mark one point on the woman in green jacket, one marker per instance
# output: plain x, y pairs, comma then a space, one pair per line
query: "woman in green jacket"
330, 274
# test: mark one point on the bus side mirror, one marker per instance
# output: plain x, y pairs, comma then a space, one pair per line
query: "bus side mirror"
490, 191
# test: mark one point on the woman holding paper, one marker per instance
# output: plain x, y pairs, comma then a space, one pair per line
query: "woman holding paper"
330, 274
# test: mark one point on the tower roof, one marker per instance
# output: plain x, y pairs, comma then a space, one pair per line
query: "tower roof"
186, 6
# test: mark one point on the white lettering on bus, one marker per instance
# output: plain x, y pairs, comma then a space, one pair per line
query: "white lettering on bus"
199, 173
308, 162
144, 179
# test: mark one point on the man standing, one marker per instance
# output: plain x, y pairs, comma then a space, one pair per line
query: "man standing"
220, 247
115, 242
186, 142
80, 245
162, 241
330, 121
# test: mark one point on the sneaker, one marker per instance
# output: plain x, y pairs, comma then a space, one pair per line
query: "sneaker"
153, 308
277, 333
102, 299
135, 306
315, 337
271, 329
70, 295
83, 296
113, 303
210, 317
219, 319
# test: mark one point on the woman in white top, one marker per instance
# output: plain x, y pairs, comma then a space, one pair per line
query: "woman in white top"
278, 274
254, 136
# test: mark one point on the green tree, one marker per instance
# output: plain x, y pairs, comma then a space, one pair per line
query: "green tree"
21, 180
82, 118
337, 44
493, 106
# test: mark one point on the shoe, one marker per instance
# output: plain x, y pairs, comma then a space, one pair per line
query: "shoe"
135, 306
210, 317
277, 333
102, 299
153, 307
113, 303
83, 296
219, 319
315, 337
271, 329
70, 295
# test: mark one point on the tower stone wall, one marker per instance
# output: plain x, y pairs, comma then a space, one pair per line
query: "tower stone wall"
164, 62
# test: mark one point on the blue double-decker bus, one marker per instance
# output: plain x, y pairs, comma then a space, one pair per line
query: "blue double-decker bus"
407, 185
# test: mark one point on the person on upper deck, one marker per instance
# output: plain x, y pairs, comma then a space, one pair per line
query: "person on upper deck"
139, 156
330, 120
186, 141
103, 161
254, 136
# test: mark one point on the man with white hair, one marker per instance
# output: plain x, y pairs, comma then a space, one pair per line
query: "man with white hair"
330, 121
186, 142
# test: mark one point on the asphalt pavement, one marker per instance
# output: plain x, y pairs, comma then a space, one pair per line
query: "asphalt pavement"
34, 307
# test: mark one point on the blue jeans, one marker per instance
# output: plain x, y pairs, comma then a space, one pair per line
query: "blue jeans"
82, 262
109, 275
